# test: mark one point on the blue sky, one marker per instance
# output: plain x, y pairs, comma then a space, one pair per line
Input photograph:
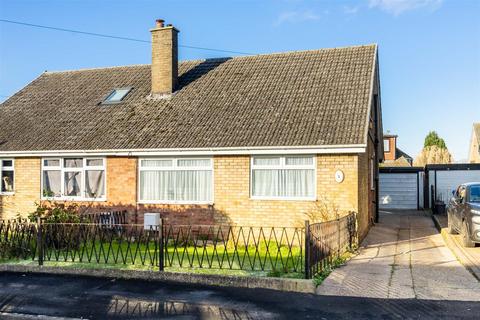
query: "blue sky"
429, 49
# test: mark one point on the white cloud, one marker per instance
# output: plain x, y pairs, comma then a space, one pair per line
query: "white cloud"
296, 16
397, 7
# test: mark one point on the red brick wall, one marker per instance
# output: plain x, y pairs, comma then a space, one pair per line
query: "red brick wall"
390, 155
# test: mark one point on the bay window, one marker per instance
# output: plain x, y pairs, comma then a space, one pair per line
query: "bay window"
7, 176
73, 178
176, 180
283, 177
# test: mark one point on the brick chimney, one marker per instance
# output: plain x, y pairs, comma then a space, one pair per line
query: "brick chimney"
164, 59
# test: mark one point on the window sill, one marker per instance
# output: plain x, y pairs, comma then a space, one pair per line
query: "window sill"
73, 199
282, 198
7, 193
177, 202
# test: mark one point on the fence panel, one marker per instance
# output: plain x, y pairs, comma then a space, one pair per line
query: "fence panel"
115, 244
234, 247
106, 218
328, 240
272, 249
17, 240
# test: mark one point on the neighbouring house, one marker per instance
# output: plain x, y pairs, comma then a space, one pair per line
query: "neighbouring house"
253, 140
474, 152
392, 155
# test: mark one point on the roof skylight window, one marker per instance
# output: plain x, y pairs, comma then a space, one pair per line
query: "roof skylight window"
117, 95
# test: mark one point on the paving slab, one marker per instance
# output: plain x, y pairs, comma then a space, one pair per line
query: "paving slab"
403, 257
469, 257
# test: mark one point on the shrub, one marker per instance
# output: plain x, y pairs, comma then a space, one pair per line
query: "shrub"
53, 212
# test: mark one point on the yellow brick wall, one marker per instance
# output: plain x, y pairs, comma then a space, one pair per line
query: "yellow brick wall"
232, 192
27, 189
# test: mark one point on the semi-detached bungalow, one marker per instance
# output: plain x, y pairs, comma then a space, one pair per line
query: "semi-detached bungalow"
253, 140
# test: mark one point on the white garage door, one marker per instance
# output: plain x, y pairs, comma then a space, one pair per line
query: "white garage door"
398, 190
451, 179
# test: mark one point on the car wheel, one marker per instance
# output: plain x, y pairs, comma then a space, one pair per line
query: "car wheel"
450, 228
467, 242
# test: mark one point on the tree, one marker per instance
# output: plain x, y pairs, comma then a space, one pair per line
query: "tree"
432, 139
432, 155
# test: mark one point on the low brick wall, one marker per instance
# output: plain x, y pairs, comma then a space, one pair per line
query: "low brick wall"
293, 285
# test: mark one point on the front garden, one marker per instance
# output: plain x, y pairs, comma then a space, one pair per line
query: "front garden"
56, 237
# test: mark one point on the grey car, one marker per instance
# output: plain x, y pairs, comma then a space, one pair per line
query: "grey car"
464, 213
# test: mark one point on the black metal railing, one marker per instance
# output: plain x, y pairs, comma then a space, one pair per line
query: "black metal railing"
113, 244
274, 250
326, 241
106, 218
171, 246
234, 247
17, 240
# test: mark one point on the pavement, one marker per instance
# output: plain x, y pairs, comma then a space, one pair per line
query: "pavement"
41, 296
403, 257
469, 257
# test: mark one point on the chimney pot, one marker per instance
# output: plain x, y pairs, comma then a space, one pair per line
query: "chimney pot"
159, 23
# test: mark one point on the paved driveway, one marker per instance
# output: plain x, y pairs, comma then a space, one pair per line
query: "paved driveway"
403, 257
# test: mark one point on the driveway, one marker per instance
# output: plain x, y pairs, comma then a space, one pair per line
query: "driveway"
469, 257
403, 257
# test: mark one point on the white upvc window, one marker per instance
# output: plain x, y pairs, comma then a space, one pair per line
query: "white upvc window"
283, 177
7, 176
176, 180
75, 179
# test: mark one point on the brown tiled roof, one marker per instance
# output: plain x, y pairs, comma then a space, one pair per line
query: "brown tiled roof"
399, 162
308, 98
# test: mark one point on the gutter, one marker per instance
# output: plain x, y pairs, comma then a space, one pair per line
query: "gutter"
331, 149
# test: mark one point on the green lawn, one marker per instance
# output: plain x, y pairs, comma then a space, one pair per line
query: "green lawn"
268, 260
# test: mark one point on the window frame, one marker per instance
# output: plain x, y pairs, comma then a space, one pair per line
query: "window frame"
61, 167
386, 150
175, 167
10, 168
106, 102
281, 166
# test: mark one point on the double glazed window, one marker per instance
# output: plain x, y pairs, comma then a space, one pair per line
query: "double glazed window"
287, 177
176, 180
73, 178
7, 176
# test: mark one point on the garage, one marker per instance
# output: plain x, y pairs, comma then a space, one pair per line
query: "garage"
443, 178
401, 188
